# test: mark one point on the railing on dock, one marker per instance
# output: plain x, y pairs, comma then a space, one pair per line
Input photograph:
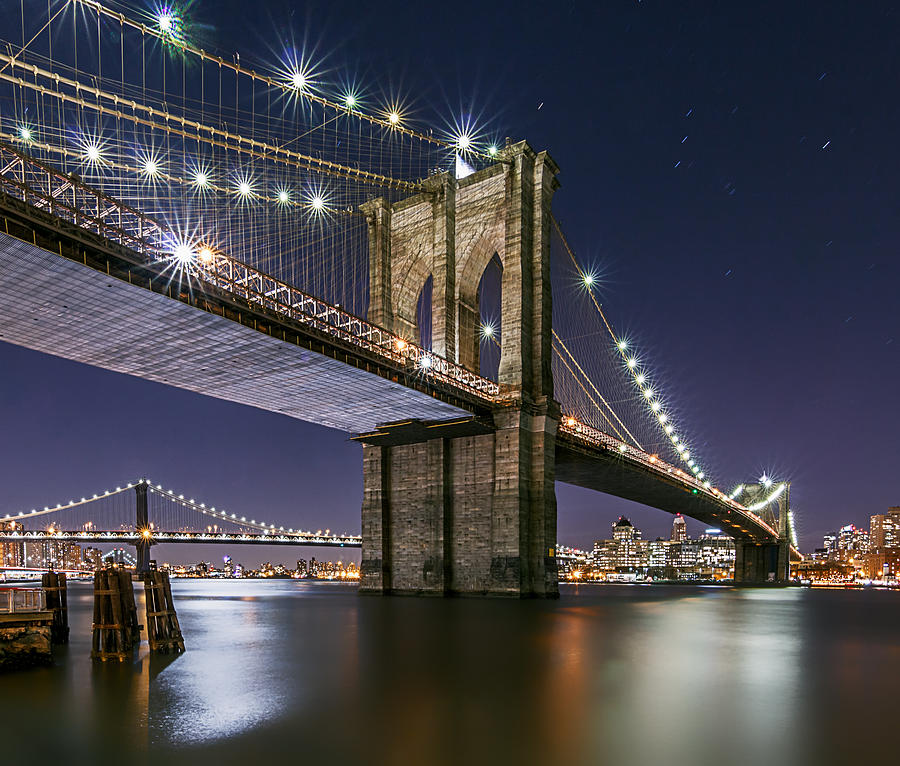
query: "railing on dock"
16, 600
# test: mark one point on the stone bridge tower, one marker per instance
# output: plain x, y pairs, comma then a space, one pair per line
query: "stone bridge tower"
475, 513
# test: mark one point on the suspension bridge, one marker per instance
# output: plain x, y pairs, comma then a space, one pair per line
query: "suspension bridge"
257, 235
143, 514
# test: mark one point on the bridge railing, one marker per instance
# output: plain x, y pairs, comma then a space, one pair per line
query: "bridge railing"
13, 600
595, 437
67, 198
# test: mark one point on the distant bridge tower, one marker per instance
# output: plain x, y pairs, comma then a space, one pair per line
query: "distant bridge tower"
471, 513
142, 524
766, 562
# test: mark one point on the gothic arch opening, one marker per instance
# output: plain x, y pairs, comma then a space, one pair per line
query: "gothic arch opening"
423, 314
489, 330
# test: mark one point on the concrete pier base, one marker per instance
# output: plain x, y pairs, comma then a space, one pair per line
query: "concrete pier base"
471, 515
759, 563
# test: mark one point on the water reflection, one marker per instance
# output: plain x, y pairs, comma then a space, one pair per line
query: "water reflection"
618, 675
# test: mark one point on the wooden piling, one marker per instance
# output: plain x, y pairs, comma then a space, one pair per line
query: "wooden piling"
163, 630
115, 629
56, 599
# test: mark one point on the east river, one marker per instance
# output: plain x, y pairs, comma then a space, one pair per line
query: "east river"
303, 672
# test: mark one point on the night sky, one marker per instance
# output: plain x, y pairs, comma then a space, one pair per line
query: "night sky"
730, 168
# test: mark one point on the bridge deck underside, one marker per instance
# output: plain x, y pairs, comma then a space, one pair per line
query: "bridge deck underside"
55, 305
605, 471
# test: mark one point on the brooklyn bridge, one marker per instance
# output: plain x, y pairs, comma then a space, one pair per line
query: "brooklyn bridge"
177, 216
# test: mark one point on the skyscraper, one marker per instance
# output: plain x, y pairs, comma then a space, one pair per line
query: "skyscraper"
884, 529
679, 529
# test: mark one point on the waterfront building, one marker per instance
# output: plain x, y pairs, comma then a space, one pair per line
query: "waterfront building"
852, 543
883, 557
52, 554
658, 558
884, 529
12, 554
631, 552
92, 558
715, 555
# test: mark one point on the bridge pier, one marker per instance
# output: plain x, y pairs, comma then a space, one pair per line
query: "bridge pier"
758, 563
467, 515
475, 512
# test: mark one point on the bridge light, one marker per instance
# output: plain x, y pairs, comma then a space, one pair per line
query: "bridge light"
700, 475
166, 22
487, 330
766, 481
588, 279
668, 429
184, 255
201, 179
151, 167
694, 491
350, 100
92, 152
317, 203
464, 142
299, 80
394, 118
663, 417
632, 363
622, 448
284, 197
425, 362
652, 458
571, 422
648, 393
492, 150
25, 133
622, 345
401, 344
640, 379
244, 188
146, 534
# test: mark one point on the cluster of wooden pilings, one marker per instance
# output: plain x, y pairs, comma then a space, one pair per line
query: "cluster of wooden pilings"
56, 601
163, 630
116, 630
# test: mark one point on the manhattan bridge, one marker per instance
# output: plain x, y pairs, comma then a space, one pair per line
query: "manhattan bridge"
255, 234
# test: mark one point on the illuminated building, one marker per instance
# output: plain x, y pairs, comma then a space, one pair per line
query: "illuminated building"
679, 529
884, 529
92, 558
658, 558
883, 557
12, 554
715, 555
852, 542
52, 554
631, 551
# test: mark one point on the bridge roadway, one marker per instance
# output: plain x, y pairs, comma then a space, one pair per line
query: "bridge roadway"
68, 292
133, 537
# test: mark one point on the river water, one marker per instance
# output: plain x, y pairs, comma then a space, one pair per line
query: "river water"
297, 671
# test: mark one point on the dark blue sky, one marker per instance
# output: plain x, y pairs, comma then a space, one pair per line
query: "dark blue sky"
730, 167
